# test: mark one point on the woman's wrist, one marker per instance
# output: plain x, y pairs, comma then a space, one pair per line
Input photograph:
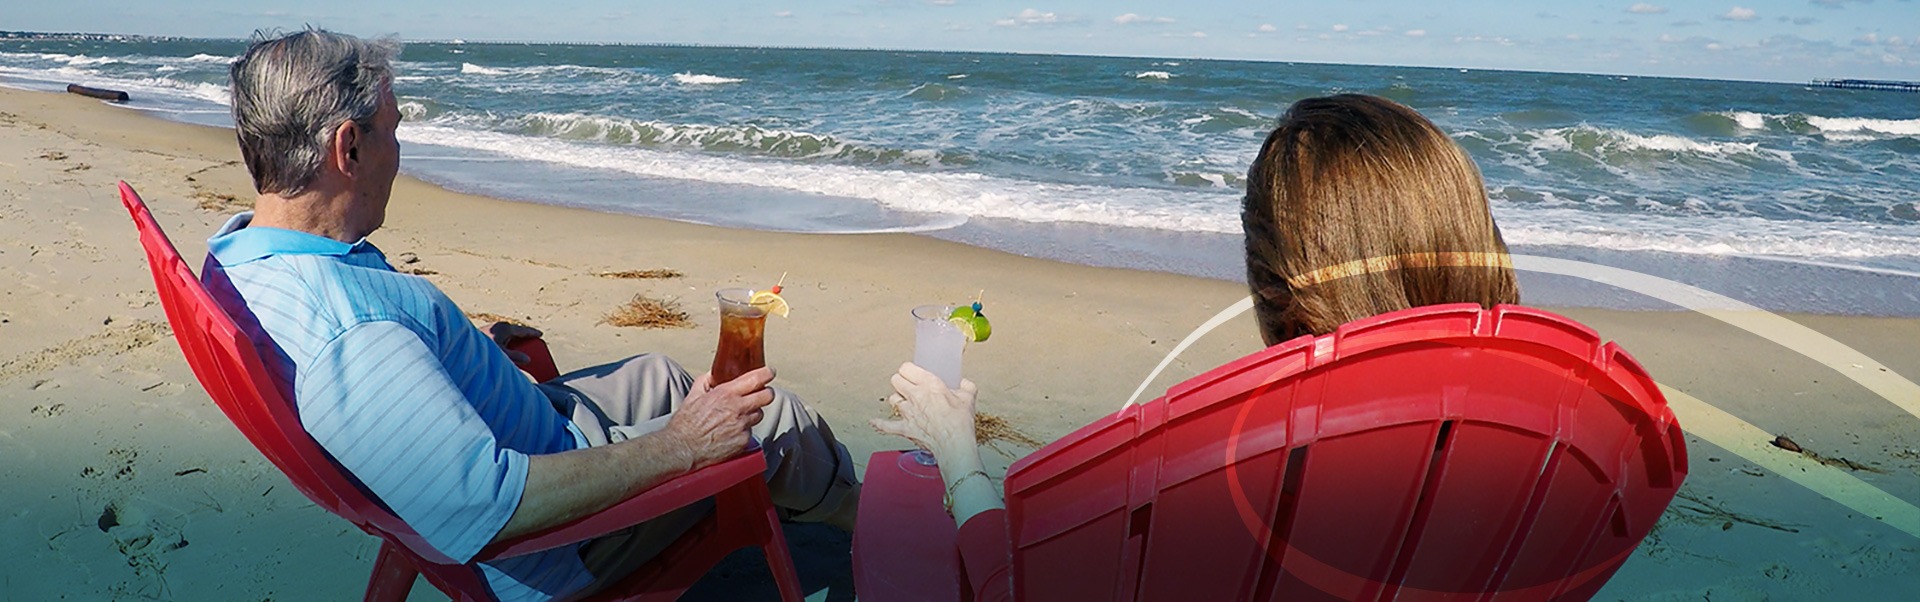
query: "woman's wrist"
956, 462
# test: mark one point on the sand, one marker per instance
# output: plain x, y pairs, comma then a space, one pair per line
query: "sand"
123, 481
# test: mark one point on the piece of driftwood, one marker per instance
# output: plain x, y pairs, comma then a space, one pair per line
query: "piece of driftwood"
100, 93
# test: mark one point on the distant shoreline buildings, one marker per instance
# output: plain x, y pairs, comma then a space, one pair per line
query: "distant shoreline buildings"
84, 37
1868, 84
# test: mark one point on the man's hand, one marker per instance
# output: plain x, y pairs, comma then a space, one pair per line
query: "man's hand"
710, 426
506, 333
713, 424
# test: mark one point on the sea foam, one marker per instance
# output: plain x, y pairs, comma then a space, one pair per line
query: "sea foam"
472, 69
964, 194
702, 79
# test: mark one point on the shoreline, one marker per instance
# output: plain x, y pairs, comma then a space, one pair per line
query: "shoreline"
1780, 284
105, 413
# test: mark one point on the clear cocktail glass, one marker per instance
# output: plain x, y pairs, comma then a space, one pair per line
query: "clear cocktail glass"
937, 347
743, 326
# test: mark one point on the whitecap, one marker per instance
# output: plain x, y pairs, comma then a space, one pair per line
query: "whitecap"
702, 79
472, 69
1153, 75
1750, 121
1895, 127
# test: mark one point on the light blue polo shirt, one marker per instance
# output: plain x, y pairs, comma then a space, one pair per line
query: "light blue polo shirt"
394, 381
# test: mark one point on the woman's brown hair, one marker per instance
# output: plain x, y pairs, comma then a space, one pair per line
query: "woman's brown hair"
1359, 206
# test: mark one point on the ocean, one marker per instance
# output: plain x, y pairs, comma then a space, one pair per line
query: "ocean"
1787, 196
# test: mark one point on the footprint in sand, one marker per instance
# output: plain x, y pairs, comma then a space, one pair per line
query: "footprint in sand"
144, 540
1719, 593
139, 300
1867, 556
1871, 560
1797, 580
117, 338
119, 465
49, 411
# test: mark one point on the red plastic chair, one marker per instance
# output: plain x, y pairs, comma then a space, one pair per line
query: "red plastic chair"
1438, 453
231, 369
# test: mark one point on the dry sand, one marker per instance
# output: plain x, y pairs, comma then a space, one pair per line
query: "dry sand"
98, 412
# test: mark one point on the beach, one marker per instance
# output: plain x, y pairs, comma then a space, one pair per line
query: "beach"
125, 482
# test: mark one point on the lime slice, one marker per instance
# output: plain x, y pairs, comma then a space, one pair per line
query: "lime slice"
975, 327
963, 312
770, 301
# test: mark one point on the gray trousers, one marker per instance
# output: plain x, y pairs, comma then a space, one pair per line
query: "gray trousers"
808, 473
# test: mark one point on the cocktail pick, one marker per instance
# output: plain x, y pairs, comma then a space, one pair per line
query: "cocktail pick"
776, 285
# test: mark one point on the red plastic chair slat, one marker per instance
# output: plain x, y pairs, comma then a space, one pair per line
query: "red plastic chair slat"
899, 569
231, 370
1438, 453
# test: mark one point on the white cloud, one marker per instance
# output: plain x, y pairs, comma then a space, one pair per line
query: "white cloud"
940, 2
1646, 9
1199, 34
1415, 33
1340, 27
1132, 19
1268, 28
1029, 17
784, 14
1740, 13
1483, 40
1714, 46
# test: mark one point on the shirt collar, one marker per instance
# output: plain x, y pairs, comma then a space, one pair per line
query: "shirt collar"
237, 243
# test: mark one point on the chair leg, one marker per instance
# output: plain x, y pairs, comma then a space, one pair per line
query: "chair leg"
774, 543
392, 577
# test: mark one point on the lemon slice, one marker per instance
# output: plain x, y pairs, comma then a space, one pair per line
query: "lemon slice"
770, 301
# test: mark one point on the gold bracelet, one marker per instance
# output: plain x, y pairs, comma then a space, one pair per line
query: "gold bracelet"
947, 501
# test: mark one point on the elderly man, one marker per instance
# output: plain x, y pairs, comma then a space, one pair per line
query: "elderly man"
427, 412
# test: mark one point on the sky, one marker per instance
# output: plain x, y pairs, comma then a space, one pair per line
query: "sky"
1771, 40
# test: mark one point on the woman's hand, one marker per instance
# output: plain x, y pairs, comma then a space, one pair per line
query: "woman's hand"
929, 414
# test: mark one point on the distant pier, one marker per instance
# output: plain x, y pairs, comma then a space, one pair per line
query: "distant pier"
1868, 84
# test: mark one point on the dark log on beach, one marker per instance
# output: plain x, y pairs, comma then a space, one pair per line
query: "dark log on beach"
100, 93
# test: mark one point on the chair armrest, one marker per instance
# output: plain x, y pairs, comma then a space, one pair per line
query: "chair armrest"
647, 505
904, 542
540, 361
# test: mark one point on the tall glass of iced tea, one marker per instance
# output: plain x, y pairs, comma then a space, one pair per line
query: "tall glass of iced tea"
742, 326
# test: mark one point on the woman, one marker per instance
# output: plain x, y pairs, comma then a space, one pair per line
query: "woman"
1356, 206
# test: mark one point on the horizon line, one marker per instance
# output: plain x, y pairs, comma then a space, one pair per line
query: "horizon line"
504, 42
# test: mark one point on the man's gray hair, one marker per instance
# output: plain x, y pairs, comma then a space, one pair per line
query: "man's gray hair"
290, 93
